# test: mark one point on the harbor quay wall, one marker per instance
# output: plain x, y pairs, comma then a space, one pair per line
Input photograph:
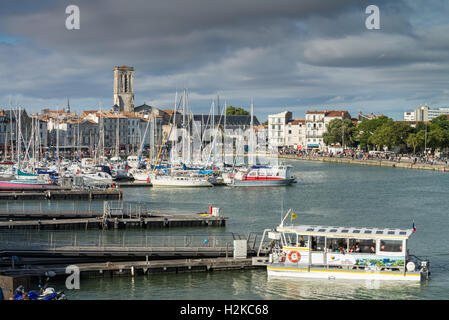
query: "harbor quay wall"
380, 163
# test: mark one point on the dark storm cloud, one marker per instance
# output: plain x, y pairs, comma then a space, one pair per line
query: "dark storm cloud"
300, 52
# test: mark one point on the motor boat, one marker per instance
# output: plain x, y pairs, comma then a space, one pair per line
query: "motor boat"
350, 253
261, 176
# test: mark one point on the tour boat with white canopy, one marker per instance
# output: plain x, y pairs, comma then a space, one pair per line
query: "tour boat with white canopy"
331, 252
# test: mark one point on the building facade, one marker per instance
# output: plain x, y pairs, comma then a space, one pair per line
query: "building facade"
316, 125
295, 134
276, 128
409, 116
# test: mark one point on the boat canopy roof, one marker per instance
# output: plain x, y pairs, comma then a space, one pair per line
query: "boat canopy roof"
348, 232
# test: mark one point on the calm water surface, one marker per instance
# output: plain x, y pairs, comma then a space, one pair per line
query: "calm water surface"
326, 194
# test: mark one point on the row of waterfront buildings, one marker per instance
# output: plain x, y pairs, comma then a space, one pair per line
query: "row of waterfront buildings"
306, 133
124, 128
145, 125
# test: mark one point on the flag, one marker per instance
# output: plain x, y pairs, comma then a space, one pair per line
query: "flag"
413, 226
293, 216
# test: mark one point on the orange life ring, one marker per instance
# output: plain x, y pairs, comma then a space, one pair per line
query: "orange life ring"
294, 256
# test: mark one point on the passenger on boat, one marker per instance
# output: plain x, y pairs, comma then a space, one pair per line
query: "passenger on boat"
372, 249
301, 242
355, 248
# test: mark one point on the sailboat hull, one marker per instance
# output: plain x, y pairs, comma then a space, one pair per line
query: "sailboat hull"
261, 182
175, 183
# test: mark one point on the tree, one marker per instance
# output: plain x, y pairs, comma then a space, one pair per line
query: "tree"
438, 138
231, 111
415, 140
390, 134
338, 130
440, 122
365, 130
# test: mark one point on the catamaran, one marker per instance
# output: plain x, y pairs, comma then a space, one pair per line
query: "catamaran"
331, 252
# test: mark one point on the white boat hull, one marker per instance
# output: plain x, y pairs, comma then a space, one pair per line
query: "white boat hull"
170, 183
279, 270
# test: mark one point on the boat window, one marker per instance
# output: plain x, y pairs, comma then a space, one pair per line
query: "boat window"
290, 238
345, 231
362, 246
337, 245
318, 243
356, 231
379, 232
310, 229
390, 232
402, 233
333, 230
321, 230
368, 231
391, 245
302, 240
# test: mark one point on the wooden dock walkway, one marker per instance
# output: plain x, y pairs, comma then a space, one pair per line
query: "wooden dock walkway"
131, 268
10, 277
154, 221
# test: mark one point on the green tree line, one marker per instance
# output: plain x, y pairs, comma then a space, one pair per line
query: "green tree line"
375, 134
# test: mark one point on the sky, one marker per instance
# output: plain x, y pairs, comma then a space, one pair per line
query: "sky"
294, 55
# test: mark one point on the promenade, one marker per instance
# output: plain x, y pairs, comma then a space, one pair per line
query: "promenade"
404, 162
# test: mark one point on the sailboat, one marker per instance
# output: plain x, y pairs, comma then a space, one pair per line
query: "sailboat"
179, 179
259, 175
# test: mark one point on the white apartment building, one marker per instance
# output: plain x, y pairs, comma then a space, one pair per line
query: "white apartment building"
295, 134
316, 122
409, 116
314, 129
424, 113
276, 128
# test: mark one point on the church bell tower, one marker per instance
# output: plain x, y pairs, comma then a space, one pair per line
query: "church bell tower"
124, 88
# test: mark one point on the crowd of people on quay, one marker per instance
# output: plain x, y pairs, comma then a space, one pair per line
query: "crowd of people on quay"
431, 159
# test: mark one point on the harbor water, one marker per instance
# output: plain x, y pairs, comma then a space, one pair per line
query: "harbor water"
325, 194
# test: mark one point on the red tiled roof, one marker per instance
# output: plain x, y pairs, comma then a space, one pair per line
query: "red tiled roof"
334, 113
315, 112
298, 121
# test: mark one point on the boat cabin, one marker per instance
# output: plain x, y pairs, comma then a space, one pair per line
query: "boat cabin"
330, 245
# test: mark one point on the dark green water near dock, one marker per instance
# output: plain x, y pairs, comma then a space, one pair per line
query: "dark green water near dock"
326, 194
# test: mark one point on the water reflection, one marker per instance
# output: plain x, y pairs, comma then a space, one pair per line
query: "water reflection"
341, 289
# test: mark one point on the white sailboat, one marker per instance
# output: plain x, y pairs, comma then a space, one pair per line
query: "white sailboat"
180, 181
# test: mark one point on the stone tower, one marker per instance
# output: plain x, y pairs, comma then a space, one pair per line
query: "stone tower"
124, 88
